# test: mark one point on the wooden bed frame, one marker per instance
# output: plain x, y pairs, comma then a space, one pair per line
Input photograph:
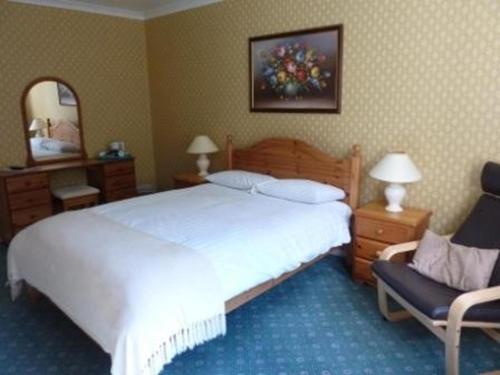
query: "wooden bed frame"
292, 158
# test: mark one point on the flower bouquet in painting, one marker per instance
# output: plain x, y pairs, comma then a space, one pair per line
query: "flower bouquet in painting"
297, 71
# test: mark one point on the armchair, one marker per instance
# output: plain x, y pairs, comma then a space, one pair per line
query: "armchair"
443, 310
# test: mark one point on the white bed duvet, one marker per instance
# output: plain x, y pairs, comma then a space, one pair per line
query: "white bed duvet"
244, 239
248, 238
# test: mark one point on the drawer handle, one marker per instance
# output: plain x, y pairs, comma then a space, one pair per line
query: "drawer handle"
379, 231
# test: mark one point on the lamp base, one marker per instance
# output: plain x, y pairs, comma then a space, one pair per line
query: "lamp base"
394, 193
203, 163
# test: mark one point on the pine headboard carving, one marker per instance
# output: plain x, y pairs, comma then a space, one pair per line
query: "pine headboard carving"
292, 158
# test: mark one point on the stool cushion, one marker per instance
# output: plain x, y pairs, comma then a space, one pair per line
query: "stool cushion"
74, 191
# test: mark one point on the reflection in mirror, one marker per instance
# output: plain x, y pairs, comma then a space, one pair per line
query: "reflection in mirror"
52, 122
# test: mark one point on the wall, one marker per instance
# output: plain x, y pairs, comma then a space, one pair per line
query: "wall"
102, 57
419, 75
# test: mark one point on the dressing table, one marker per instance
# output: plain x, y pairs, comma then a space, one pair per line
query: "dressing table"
53, 130
25, 194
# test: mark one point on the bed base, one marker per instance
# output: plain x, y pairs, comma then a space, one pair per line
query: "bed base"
34, 295
250, 294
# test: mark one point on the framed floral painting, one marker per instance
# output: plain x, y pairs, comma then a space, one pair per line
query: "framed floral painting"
298, 71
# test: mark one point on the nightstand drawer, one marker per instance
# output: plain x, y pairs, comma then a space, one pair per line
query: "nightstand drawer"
362, 270
369, 249
185, 180
383, 231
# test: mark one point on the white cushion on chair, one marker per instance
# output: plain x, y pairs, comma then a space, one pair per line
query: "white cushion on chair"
459, 267
74, 191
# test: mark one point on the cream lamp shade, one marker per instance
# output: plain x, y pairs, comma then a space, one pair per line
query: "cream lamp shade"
396, 168
202, 145
38, 125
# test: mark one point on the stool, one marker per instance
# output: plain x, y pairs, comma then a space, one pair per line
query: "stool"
76, 197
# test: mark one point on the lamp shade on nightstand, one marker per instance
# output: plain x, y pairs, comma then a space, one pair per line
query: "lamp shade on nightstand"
396, 168
202, 145
38, 125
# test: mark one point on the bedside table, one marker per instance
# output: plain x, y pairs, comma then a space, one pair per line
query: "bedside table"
375, 229
184, 180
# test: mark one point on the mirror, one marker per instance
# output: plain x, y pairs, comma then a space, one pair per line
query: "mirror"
52, 122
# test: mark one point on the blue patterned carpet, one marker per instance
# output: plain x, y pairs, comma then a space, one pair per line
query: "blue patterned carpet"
318, 322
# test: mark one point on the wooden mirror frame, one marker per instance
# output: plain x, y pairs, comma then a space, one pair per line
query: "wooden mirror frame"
30, 161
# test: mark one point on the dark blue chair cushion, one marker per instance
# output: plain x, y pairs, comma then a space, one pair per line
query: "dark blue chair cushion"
429, 297
482, 229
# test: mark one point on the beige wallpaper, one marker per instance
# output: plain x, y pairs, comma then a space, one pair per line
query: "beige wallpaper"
103, 58
419, 75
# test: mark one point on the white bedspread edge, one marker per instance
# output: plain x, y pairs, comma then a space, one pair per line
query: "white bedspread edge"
140, 330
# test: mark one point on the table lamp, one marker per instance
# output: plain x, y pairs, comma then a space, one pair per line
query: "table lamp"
396, 168
202, 145
38, 125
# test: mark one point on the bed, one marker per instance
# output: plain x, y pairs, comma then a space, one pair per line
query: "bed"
229, 244
63, 141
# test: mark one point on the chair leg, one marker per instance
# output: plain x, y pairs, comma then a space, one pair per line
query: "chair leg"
384, 307
493, 333
452, 344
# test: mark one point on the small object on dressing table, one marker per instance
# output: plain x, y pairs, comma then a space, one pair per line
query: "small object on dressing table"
116, 151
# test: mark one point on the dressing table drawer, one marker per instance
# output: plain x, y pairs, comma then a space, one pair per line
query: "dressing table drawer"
119, 168
116, 180
27, 183
119, 195
29, 199
120, 182
25, 217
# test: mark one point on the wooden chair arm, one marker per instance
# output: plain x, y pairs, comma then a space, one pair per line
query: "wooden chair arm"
393, 250
465, 301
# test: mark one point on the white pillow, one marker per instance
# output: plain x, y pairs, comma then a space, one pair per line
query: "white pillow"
236, 179
304, 191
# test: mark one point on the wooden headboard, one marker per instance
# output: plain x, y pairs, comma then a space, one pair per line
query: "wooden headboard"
64, 130
292, 158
